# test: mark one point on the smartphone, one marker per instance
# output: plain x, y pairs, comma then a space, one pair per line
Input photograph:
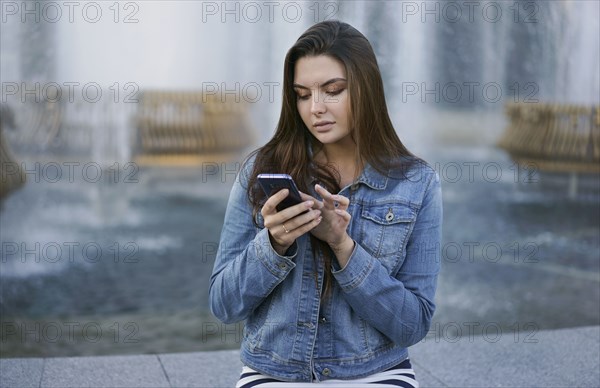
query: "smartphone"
272, 183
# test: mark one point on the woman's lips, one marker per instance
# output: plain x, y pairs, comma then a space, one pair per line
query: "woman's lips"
323, 127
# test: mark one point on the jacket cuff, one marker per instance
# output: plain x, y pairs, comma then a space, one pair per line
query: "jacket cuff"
278, 265
358, 267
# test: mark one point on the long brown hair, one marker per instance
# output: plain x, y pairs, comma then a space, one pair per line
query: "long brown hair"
370, 126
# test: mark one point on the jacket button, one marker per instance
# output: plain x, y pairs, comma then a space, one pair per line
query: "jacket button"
323, 320
326, 372
390, 215
282, 266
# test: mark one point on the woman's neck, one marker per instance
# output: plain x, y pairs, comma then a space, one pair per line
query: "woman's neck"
343, 158
340, 153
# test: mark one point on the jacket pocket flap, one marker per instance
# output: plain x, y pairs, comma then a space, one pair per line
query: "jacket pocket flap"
387, 214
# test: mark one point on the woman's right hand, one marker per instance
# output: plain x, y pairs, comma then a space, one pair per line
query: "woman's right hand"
289, 224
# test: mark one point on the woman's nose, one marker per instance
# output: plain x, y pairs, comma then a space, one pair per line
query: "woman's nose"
318, 105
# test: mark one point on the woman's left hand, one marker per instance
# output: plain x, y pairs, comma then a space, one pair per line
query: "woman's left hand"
336, 218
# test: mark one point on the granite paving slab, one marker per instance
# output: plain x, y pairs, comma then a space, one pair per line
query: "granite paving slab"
104, 371
204, 369
553, 358
21, 372
591, 332
424, 376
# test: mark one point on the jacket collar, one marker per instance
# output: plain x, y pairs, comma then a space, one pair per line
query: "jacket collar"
372, 178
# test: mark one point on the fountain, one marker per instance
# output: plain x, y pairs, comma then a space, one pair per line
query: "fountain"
145, 190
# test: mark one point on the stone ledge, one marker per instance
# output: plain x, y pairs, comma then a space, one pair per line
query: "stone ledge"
552, 358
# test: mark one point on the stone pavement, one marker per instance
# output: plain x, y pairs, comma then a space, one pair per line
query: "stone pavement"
552, 358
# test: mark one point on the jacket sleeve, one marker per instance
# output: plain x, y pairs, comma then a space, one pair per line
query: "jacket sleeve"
246, 267
400, 307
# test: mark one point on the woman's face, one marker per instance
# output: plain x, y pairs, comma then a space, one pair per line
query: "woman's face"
322, 98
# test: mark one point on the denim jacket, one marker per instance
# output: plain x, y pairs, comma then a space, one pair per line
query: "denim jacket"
381, 303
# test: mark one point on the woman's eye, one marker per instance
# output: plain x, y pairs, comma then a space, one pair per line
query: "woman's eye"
334, 92
303, 97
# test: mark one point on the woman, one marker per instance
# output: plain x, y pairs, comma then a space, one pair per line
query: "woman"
338, 292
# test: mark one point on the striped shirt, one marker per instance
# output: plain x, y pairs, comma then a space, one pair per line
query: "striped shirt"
401, 375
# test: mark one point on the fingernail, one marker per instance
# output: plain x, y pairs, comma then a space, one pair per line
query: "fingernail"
309, 203
319, 219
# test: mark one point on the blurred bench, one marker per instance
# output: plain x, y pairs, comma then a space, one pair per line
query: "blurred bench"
554, 138
560, 138
11, 175
178, 127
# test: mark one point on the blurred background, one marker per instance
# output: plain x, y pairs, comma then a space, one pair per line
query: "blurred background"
123, 125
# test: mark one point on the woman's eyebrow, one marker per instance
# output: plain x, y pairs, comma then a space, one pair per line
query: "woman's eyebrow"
333, 80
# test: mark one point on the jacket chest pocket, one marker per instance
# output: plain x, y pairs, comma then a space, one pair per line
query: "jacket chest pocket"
384, 230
